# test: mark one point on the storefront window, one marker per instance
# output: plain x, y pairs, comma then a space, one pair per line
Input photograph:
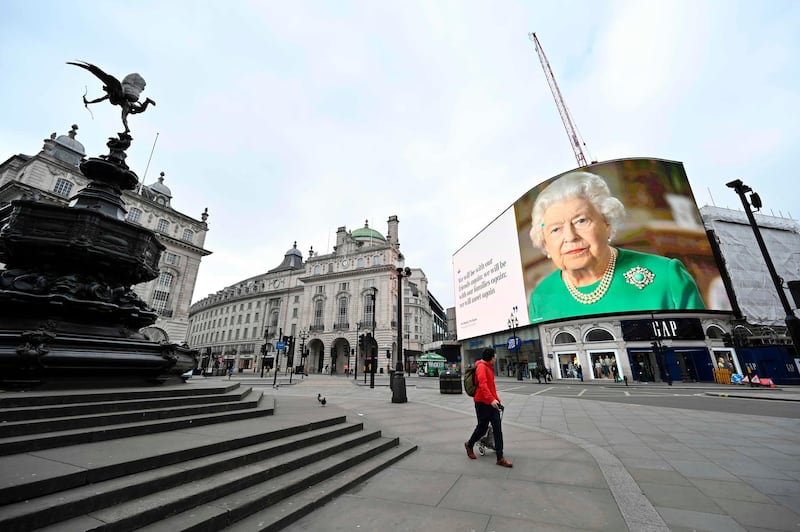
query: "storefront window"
604, 365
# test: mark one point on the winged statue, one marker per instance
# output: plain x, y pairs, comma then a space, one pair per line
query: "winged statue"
125, 93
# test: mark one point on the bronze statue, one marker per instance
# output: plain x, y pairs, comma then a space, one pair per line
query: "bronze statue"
124, 94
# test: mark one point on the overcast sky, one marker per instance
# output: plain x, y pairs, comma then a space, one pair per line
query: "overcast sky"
290, 119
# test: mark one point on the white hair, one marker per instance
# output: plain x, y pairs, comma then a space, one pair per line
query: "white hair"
578, 184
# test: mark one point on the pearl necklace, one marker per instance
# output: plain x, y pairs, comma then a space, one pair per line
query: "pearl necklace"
597, 294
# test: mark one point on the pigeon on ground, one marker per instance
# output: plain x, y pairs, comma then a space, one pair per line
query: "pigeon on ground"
321, 399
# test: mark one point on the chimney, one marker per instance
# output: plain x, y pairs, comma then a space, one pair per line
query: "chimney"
392, 236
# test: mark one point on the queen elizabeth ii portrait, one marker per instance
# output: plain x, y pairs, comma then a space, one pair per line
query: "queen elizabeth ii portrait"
573, 221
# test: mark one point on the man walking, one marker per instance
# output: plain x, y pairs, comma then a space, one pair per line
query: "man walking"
487, 408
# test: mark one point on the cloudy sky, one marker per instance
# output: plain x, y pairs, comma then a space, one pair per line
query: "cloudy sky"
290, 119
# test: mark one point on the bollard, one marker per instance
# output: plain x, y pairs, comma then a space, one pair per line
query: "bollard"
398, 384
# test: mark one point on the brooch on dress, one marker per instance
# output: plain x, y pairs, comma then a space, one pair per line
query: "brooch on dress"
639, 277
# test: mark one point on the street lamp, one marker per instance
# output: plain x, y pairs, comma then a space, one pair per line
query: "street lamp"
399, 386
303, 334
264, 351
373, 358
792, 321
513, 342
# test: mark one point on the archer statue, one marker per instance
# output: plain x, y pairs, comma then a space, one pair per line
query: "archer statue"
124, 94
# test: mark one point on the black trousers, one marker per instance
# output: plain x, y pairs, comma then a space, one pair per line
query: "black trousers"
488, 414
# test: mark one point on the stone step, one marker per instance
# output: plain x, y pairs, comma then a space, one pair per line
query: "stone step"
279, 476
35, 442
60, 397
248, 399
302, 489
284, 513
74, 502
38, 475
22, 413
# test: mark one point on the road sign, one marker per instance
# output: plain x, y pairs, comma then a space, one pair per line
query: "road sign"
280, 345
513, 343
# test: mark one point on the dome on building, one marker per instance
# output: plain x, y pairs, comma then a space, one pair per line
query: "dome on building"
292, 260
65, 147
70, 142
365, 233
160, 187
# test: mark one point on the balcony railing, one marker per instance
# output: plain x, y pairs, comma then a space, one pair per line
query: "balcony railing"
341, 326
316, 328
366, 324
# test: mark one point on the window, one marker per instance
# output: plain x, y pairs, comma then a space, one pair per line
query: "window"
160, 298
63, 187
171, 258
564, 338
343, 287
360, 263
297, 299
319, 313
376, 260
294, 312
188, 235
341, 314
316, 269
320, 290
598, 335
134, 215
369, 309
163, 226
165, 280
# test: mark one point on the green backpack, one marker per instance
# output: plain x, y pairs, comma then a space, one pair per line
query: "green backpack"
470, 381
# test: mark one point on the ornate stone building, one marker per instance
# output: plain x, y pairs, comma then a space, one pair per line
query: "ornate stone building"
336, 309
53, 176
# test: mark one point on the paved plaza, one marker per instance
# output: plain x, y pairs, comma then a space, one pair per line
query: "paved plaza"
578, 464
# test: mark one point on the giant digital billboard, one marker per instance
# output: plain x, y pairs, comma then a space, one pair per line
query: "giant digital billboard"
613, 237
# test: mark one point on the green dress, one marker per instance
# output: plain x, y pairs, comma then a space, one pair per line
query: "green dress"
652, 283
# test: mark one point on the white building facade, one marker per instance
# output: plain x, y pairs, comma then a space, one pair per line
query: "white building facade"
335, 311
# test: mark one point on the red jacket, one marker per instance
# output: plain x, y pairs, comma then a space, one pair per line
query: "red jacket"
484, 375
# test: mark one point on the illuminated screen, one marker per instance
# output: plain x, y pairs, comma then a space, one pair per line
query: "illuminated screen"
614, 237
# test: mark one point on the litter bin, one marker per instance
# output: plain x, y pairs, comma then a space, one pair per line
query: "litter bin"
450, 383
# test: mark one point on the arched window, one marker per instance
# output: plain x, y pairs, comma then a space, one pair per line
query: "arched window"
376, 260
316, 269
134, 215
188, 235
360, 263
599, 335
162, 226
63, 187
564, 338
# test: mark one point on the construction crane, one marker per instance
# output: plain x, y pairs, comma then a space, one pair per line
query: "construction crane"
575, 140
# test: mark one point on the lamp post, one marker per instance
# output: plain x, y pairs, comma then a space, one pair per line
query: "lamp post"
399, 386
513, 342
373, 296
792, 321
303, 334
264, 352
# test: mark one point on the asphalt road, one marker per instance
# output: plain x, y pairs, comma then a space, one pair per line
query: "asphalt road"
694, 398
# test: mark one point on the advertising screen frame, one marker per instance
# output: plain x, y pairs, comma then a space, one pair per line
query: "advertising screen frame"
495, 273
